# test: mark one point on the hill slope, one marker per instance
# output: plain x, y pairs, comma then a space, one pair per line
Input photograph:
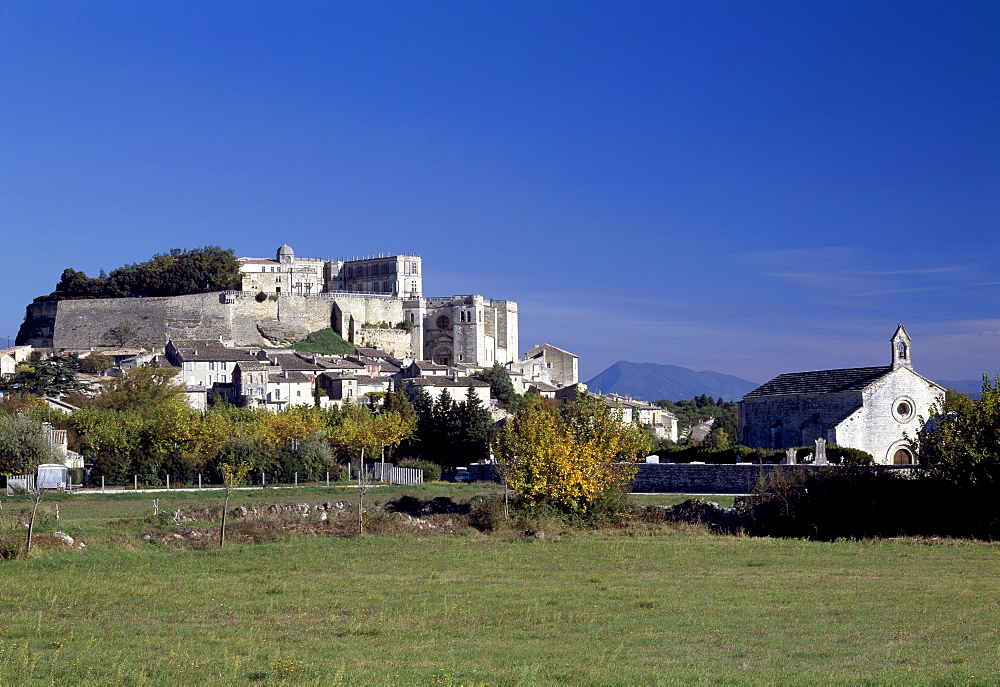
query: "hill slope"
652, 382
972, 387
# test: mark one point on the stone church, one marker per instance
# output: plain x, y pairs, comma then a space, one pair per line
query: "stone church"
868, 408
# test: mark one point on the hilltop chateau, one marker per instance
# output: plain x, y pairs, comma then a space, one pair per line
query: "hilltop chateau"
370, 301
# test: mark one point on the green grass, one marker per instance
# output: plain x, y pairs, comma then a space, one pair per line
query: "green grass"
325, 342
636, 606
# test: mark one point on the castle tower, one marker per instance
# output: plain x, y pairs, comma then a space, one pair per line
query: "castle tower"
901, 350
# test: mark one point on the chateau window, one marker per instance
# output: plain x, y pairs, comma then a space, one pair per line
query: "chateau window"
443, 322
263, 268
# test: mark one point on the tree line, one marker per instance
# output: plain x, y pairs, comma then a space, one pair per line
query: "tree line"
141, 425
174, 273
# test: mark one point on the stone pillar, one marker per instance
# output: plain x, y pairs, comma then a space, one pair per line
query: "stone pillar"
820, 458
789, 456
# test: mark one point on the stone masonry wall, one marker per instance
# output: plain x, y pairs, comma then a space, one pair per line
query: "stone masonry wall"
81, 324
395, 342
684, 478
797, 415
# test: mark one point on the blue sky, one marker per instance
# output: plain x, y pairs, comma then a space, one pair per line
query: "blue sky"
748, 187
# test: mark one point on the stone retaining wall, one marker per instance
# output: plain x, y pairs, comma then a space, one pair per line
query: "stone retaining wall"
685, 478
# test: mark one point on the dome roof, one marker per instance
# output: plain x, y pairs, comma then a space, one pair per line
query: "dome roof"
285, 252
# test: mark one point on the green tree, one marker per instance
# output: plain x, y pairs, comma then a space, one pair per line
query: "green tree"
242, 450
24, 444
96, 363
173, 273
74, 285
501, 388
960, 439
475, 427
53, 376
147, 390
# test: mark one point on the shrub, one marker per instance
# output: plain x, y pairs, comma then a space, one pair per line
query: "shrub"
311, 460
260, 297
486, 512
432, 471
855, 503
237, 450
850, 457
115, 468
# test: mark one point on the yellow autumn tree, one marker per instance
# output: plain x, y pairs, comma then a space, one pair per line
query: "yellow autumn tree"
296, 423
572, 456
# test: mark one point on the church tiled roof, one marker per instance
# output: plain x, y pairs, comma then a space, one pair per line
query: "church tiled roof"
820, 382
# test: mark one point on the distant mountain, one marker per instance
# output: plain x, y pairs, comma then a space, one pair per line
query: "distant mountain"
652, 382
972, 387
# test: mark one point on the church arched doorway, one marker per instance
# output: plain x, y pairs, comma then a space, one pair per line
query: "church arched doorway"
902, 456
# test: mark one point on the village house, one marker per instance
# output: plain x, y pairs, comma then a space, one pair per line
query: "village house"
10, 358
458, 389
549, 365
339, 387
288, 388
204, 363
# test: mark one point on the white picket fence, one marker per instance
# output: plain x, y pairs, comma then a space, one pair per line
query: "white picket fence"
379, 472
19, 484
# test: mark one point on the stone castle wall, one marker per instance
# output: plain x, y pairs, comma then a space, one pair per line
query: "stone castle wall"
236, 317
395, 342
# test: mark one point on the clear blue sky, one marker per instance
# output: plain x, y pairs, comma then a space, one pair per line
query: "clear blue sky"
748, 187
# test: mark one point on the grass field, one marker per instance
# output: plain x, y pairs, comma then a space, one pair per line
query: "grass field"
641, 605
